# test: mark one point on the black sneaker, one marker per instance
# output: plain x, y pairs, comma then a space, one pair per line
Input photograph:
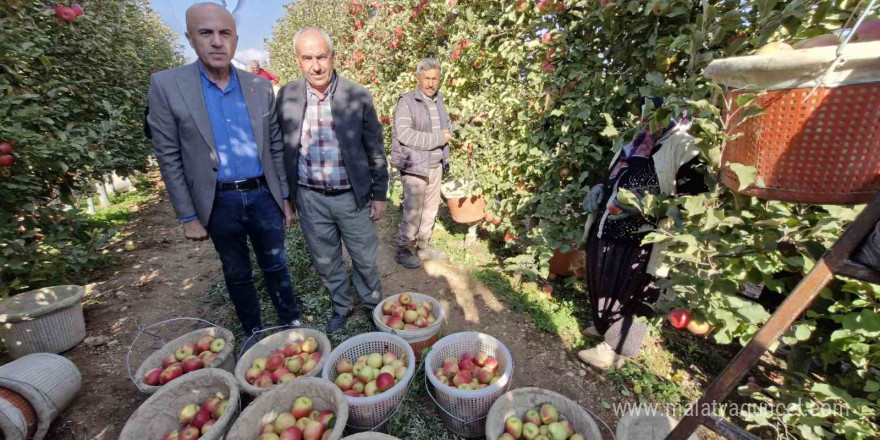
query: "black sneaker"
406, 258
337, 322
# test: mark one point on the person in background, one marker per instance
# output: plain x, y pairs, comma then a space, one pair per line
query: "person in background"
620, 269
223, 163
256, 69
335, 159
419, 149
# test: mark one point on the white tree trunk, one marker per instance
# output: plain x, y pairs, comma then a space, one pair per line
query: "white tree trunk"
90, 210
102, 194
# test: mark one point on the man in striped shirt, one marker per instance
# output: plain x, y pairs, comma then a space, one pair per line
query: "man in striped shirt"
419, 149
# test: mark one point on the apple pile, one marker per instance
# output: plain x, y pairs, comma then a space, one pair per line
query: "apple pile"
187, 358
68, 13
294, 360
6, 157
405, 314
198, 419
543, 423
470, 372
301, 423
371, 374
682, 318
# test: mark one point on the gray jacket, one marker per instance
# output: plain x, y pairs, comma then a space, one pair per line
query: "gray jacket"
414, 156
184, 143
357, 129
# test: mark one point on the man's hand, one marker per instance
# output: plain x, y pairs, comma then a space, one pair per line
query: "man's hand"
289, 214
193, 230
377, 210
447, 136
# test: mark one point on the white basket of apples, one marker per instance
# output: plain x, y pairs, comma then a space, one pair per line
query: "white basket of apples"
539, 414
280, 358
415, 317
374, 371
200, 405
464, 397
309, 408
204, 348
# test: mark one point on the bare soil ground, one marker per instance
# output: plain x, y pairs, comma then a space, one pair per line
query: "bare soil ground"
167, 276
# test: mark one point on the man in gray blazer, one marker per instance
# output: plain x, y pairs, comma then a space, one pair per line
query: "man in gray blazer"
338, 176
218, 144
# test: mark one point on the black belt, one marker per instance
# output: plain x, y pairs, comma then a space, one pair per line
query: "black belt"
242, 185
327, 191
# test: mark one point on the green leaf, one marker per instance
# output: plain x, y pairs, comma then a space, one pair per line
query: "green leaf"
744, 174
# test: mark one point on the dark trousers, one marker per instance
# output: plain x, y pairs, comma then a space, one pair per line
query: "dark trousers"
237, 216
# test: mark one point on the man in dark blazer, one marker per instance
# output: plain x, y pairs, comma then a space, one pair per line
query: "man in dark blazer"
218, 144
337, 172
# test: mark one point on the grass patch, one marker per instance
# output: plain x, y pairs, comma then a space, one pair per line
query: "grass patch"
121, 207
557, 317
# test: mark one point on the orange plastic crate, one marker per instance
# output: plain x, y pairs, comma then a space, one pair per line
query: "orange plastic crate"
825, 150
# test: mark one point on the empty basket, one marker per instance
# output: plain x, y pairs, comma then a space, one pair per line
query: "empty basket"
48, 320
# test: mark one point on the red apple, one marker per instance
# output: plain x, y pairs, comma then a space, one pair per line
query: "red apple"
548, 66
351, 393
185, 351
466, 365
65, 13
187, 413
314, 430
170, 373
220, 409
327, 418
173, 435
200, 419
521, 6
302, 407
387, 306
204, 344
679, 318
210, 404
480, 359
698, 328
395, 323
275, 362
252, 375
264, 382
547, 38
170, 359
547, 289
405, 298
207, 426
277, 374
292, 433
192, 363
310, 345
152, 377
462, 377
491, 364
5, 148
77, 9
190, 432
384, 382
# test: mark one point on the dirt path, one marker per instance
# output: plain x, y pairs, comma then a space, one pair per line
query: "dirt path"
167, 276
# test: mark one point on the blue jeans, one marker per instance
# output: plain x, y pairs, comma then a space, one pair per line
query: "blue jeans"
237, 215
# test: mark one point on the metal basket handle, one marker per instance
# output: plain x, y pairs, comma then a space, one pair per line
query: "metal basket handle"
467, 422
596, 416
258, 332
143, 329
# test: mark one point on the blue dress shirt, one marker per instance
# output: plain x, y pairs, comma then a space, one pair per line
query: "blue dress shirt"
237, 151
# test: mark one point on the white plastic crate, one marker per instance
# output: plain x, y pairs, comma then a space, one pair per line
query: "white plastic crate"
464, 412
371, 413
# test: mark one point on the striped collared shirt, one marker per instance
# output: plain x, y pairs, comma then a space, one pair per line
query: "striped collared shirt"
320, 162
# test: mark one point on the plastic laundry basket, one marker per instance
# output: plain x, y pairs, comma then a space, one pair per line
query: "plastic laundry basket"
462, 411
417, 339
371, 413
264, 409
18, 418
48, 381
515, 404
159, 414
48, 320
276, 342
225, 359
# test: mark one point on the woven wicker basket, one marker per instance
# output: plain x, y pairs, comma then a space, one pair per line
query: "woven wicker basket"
159, 414
816, 140
48, 320
274, 342
371, 413
18, 418
224, 361
515, 404
463, 412
48, 381
417, 339
324, 395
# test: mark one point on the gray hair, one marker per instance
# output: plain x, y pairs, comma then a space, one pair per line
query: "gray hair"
428, 64
324, 34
